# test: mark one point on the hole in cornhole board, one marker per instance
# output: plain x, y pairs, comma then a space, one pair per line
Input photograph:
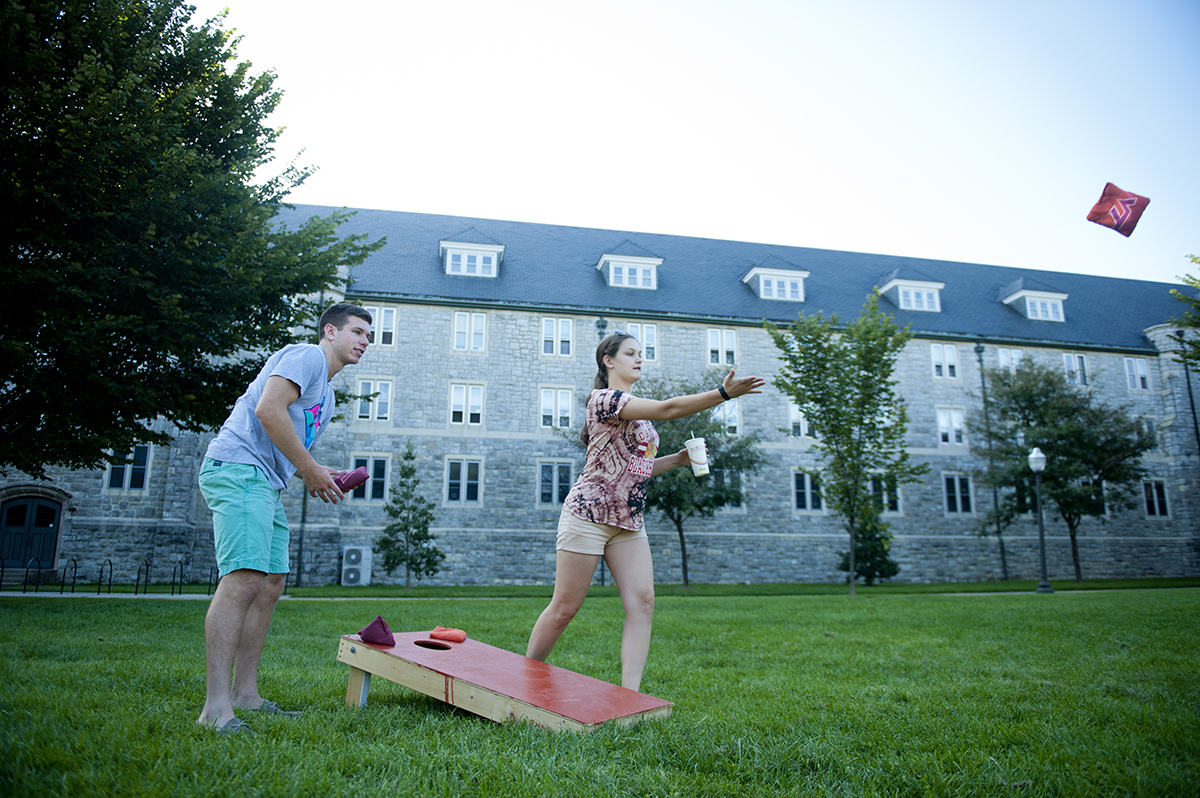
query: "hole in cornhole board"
434, 644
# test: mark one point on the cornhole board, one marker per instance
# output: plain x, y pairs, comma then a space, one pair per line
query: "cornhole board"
494, 683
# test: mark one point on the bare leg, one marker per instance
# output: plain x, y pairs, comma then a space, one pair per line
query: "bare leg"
633, 570
250, 645
572, 578
223, 626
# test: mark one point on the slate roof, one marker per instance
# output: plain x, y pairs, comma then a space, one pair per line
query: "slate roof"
552, 267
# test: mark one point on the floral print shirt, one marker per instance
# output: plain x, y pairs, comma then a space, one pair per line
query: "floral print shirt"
620, 459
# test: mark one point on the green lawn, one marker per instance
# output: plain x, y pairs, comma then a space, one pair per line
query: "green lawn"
892, 693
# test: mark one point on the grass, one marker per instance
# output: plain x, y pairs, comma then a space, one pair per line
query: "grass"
894, 693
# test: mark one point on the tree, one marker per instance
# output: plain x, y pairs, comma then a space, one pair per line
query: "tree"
407, 540
841, 379
1190, 351
148, 276
1093, 450
678, 494
871, 545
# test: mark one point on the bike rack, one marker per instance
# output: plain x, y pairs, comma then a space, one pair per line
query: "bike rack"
100, 583
37, 585
74, 576
177, 567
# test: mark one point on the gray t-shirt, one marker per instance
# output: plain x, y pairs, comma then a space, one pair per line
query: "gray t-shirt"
242, 438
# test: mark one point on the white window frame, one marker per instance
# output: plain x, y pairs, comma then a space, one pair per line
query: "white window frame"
951, 423
469, 333
628, 271
784, 285
808, 480
1042, 309
797, 421
560, 402
558, 487
1009, 359
383, 325
558, 334
1137, 374
890, 494
464, 463
471, 260
379, 408
127, 470
468, 396
919, 295
722, 345
959, 481
729, 414
647, 335
1156, 503
944, 359
376, 483
1076, 368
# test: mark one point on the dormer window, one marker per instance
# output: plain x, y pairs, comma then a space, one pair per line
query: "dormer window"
471, 260
914, 294
785, 284
627, 271
1037, 305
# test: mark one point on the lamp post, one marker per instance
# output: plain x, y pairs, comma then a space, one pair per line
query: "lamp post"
1037, 463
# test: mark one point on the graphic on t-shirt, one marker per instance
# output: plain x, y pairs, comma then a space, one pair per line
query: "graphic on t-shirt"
312, 422
641, 461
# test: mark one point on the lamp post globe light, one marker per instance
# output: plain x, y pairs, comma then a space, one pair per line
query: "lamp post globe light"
1037, 464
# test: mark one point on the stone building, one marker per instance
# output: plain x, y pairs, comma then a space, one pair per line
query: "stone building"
483, 354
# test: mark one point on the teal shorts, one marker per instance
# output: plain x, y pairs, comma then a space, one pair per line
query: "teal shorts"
250, 528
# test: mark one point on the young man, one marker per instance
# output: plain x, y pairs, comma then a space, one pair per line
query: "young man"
264, 441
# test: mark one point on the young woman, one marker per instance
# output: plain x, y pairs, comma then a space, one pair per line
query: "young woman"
602, 515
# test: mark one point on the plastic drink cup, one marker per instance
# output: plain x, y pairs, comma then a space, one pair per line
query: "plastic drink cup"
698, 454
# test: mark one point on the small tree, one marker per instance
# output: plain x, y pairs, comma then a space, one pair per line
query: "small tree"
872, 542
407, 541
1190, 353
1093, 450
842, 381
679, 495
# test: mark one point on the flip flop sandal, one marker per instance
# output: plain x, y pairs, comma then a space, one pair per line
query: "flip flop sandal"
271, 708
231, 726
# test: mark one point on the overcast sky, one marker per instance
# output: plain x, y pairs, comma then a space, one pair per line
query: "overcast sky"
970, 131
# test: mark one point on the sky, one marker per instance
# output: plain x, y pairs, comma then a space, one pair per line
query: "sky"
978, 131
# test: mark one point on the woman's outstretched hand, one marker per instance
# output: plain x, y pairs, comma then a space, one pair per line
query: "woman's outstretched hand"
739, 386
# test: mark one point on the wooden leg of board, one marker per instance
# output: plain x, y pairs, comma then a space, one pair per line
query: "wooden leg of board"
356, 690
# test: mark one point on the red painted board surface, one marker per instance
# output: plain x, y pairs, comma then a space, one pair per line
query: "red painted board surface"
572, 695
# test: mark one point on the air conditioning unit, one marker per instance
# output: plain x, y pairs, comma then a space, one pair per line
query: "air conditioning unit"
356, 565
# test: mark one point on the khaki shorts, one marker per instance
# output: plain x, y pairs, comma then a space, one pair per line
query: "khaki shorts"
584, 537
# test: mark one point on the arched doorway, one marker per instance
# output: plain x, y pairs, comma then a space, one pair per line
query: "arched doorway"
29, 532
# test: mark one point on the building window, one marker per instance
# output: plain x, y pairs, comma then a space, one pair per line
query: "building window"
797, 421
1076, 368
628, 271
556, 336
1010, 359
887, 497
919, 299
1156, 498
807, 492
131, 474
729, 414
958, 494
1043, 309
383, 327
1137, 374
945, 361
470, 332
724, 478
556, 408
647, 335
375, 488
722, 347
463, 480
466, 403
950, 426
379, 408
781, 288
554, 482
1149, 428
471, 260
